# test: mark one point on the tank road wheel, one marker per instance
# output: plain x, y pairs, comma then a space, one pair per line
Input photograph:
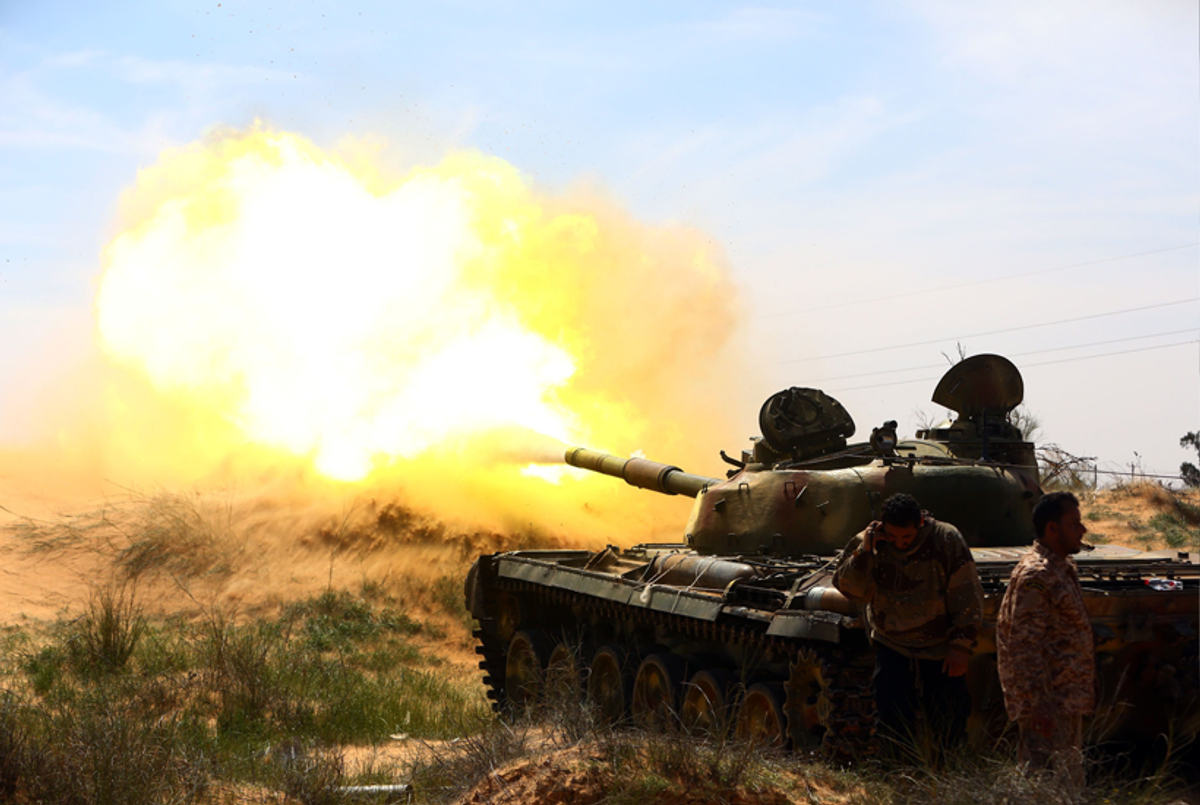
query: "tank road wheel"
656, 689
508, 615
808, 704
610, 683
525, 669
564, 672
760, 718
708, 702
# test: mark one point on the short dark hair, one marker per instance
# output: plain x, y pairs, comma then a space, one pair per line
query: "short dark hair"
902, 510
1050, 509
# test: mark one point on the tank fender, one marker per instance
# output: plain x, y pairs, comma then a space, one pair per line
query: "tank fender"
805, 625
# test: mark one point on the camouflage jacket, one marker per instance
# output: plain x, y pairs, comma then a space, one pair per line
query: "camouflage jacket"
1045, 651
919, 601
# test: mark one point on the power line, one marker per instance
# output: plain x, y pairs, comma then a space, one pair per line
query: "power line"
994, 332
1101, 343
1029, 365
977, 282
1118, 352
1011, 354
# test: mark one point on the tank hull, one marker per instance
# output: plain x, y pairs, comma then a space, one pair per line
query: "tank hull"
781, 637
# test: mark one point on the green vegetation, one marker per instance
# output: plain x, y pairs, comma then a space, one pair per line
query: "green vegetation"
1168, 528
120, 706
1171, 516
115, 708
110, 631
1172, 529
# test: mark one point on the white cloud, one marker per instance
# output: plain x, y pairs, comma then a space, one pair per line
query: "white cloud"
33, 118
1031, 40
1098, 71
47, 106
204, 77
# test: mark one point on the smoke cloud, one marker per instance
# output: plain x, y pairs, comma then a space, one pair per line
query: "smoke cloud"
271, 310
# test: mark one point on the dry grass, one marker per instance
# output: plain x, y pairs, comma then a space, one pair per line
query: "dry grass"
1146, 514
183, 535
531, 763
125, 706
112, 627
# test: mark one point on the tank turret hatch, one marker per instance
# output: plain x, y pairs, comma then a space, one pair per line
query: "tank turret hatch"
983, 390
982, 385
803, 422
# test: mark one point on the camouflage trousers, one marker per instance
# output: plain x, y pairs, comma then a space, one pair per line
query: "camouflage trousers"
1061, 753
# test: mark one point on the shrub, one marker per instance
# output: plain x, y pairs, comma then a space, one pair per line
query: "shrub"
14, 740
110, 630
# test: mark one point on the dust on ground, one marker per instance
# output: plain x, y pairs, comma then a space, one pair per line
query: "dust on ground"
255, 551
245, 553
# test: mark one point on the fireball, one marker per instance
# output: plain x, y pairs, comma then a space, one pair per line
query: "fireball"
314, 308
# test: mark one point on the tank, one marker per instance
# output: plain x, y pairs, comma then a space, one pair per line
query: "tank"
738, 627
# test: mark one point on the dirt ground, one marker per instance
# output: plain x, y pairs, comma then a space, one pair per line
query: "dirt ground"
580, 776
255, 553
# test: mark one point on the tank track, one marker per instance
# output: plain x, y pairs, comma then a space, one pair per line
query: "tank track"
845, 703
829, 698
492, 652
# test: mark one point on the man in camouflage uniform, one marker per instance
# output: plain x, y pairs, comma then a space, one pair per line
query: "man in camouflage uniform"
924, 609
1045, 652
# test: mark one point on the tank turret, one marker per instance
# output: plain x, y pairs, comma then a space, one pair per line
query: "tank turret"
803, 489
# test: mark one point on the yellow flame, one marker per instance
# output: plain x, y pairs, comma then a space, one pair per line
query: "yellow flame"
280, 297
326, 319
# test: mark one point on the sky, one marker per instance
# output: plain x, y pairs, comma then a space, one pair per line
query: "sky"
890, 183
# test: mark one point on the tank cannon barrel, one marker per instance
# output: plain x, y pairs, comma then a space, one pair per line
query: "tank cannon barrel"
640, 472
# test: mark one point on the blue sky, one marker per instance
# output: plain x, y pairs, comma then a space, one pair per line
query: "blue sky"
840, 153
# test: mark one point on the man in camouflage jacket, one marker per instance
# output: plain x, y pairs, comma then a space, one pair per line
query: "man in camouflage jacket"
1045, 651
924, 607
